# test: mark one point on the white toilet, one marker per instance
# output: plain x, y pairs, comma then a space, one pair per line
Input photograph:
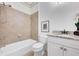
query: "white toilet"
40, 46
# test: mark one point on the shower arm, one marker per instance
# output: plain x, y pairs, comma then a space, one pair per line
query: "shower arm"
3, 3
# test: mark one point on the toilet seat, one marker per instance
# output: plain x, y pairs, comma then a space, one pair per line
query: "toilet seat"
38, 46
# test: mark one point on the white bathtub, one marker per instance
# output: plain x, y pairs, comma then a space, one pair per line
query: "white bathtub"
18, 48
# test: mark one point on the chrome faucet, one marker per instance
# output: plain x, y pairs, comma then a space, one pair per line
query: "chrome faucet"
64, 32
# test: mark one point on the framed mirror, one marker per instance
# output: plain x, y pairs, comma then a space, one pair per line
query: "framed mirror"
45, 26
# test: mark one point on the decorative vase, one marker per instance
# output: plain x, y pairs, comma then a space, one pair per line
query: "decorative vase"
77, 25
76, 32
77, 29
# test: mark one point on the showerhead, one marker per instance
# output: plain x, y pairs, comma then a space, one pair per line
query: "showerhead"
3, 4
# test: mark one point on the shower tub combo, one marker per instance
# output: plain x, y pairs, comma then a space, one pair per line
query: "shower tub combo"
18, 48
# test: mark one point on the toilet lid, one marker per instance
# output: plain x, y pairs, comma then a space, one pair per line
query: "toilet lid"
38, 45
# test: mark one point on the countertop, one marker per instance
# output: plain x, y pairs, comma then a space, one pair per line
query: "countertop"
66, 36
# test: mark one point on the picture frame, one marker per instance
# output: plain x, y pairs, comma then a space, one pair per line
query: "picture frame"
45, 26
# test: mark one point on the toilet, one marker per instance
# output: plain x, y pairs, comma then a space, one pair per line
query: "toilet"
40, 46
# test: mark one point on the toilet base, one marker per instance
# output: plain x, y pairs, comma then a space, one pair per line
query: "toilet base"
40, 53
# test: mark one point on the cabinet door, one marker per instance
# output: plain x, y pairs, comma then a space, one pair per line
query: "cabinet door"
54, 49
71, 52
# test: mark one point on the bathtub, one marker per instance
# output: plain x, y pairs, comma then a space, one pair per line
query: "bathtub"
17, 49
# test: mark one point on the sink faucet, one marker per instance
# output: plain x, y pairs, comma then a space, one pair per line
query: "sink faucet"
64, 32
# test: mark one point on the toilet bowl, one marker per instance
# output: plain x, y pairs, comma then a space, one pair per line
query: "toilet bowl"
39, 47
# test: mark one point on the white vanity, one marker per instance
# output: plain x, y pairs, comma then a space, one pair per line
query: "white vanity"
63, 45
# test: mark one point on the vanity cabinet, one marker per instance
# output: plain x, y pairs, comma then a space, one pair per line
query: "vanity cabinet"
62, 47
54, 49
71, 52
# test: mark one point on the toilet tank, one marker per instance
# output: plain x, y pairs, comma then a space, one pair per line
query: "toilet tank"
42, 39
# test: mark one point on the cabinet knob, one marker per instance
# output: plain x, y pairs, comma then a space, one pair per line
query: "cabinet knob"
61, 48
65, 49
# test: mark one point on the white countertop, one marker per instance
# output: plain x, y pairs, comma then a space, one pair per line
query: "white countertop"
67, 36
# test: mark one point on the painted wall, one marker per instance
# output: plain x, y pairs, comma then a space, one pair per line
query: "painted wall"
60, 17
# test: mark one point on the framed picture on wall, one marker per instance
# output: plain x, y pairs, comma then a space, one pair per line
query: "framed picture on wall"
45, 26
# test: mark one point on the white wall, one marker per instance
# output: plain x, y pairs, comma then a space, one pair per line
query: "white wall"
61, 17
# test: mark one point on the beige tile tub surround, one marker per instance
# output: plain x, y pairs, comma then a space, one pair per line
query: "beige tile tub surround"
2, 42
13, 23
34, 26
